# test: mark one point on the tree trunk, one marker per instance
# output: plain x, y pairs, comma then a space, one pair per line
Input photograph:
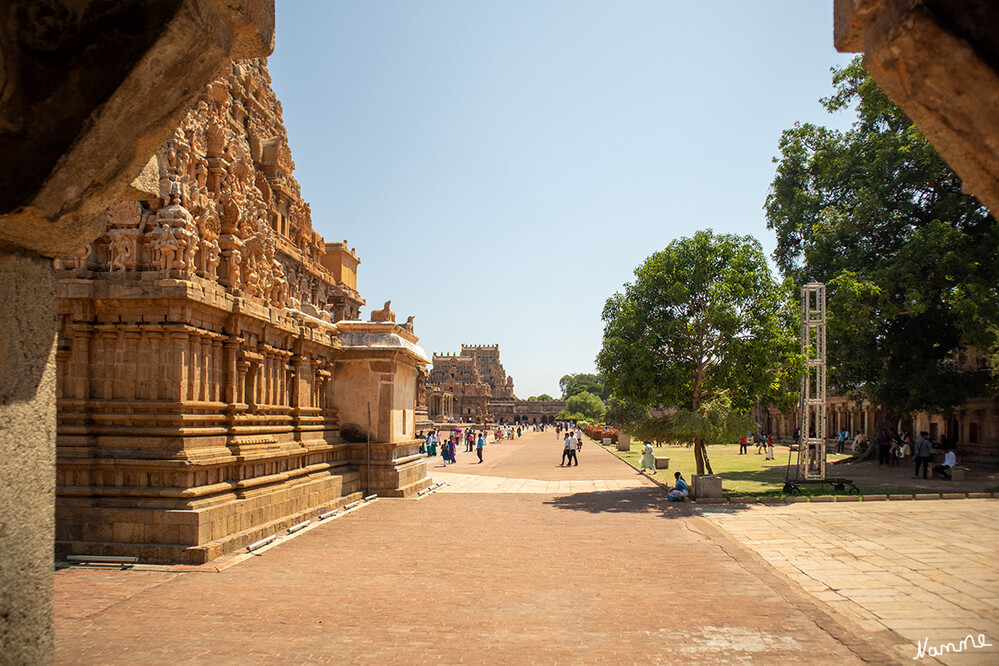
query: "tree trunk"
883, 420
704, 454
701, 456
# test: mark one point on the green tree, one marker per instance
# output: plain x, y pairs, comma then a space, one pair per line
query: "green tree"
702, 331
578, 383
540, 398
623, 413
909, 260
585, 403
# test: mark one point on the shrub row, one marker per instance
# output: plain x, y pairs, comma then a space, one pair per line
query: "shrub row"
598, 432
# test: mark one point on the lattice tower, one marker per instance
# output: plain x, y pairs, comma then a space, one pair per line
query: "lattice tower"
812, 452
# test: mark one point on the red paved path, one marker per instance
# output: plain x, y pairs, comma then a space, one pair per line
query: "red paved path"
599, 577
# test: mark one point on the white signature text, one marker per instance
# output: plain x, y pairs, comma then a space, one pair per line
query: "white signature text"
924, 649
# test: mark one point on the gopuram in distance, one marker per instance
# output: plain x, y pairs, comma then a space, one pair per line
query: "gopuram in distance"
211, 362
472, 386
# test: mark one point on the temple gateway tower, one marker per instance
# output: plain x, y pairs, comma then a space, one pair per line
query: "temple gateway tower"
212, 364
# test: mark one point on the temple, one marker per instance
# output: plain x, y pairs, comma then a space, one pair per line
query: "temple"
472, 386
214, 381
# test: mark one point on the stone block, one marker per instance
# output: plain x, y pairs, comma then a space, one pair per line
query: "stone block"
899, 498
607, 441
874, 498
823, 498
928, 496
979, 495
711, 500
705, 485
623, 443
847, 498
662, 463
794, 499
744, 500
952, 495
957, 474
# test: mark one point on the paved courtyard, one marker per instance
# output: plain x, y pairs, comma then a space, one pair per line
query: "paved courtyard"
518, 560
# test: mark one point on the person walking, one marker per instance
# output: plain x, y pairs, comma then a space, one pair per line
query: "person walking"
923, 449
570, 447
565, 449
648, 458
479, 445
770, 446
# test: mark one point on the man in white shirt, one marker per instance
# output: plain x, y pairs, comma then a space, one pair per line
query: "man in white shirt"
950, 459
570, 450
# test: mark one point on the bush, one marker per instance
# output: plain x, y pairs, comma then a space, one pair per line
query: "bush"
599, 432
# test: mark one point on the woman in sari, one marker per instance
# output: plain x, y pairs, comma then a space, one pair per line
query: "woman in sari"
679, 491
648, 458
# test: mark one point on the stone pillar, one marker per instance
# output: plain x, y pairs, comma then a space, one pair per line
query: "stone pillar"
27, 452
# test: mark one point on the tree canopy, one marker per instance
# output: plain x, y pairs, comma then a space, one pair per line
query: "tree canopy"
540, 398
585, 403
702, 331
575, 384
909, 260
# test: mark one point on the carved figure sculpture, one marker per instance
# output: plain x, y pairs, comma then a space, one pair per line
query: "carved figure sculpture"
121, 250
385, 314
169, 248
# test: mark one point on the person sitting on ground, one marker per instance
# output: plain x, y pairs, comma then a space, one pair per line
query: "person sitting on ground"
947, 467
648, 458
679, 491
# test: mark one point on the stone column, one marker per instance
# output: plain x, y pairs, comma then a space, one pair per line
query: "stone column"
27, 452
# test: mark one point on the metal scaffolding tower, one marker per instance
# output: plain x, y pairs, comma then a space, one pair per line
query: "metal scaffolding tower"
812, 451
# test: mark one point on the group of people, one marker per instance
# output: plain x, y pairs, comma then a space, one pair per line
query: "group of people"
648, 462
572, 443
894, 447
473, 441
764, 444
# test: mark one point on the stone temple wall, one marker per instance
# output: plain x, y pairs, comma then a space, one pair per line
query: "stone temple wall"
198, 347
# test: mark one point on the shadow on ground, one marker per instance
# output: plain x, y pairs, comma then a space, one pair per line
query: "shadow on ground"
629, 500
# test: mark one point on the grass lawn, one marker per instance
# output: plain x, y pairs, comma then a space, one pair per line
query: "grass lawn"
749, 475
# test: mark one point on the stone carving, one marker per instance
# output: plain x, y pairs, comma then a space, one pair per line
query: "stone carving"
229, 209
123, 248
78, 259
421, 387
385, 314
124, 214
409, 323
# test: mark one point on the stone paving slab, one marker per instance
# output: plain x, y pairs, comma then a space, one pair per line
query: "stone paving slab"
602, 577
925, 571
518, 560
598, 573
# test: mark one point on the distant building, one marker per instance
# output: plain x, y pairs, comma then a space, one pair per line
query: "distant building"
473, 386
461, 386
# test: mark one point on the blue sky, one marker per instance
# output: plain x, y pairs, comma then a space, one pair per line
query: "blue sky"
503, 167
